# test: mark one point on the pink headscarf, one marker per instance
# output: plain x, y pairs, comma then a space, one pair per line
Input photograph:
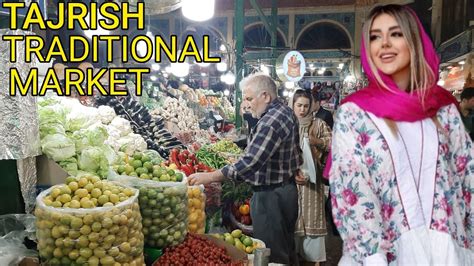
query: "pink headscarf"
396, 104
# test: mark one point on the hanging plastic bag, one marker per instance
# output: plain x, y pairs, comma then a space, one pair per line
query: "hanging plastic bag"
13, 230
308, 168
163, 206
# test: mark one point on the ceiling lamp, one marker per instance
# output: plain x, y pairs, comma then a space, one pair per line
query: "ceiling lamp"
226, 92
155, 67
180, 69
221, 67
201, 10
289, 85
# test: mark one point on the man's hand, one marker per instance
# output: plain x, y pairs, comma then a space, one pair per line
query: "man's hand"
205, 178
300, 179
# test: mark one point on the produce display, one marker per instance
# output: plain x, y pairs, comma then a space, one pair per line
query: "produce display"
79, 233
146, 166
78, 138
196, 250
211, 158
240, 241
196, 210
225, 146
176, 111
187, 162
163, 206
151, 128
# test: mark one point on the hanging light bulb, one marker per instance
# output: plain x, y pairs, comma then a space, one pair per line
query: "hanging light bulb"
221, 67
462, 62
142, 48
155, 67
229, 78
165, 75
285, 93
320, 72
153, 78
201, 10
222, 48
226, 92
289, 85
180, 69
203, 74
341, 66
181, 79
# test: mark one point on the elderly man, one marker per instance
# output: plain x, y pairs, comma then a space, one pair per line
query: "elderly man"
270, 166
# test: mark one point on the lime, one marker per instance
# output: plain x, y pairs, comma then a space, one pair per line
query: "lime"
74, 234
125, 247
148, 166
121, 169
96, 227
133, 174
83, 182
100, 252
145, 176
136, 164
64, 198
103, 199
85, 229
81, 193
75, 204
93, 261
76, 223
146, 158
137, 156
93, 245
179, 177
65, 189
129, 169
89, 187
113, 251
165, 178
83, 241
247, 242
70, 179
107, 260
73, 185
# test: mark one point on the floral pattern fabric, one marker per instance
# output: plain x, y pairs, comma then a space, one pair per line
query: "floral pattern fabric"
367, 207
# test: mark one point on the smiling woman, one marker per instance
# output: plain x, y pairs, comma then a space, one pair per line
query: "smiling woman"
400, 154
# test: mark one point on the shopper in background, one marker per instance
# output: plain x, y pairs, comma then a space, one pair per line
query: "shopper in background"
270, 165
315, 139
467, 110
320, 112
402, 174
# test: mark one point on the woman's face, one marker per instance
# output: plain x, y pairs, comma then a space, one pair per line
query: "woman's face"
388, 48
301, 107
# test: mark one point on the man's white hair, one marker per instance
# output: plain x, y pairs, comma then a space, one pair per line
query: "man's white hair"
260, 82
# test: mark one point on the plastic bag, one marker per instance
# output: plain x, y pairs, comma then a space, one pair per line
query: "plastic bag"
13, 230
104, 235
196, 209
163, 207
